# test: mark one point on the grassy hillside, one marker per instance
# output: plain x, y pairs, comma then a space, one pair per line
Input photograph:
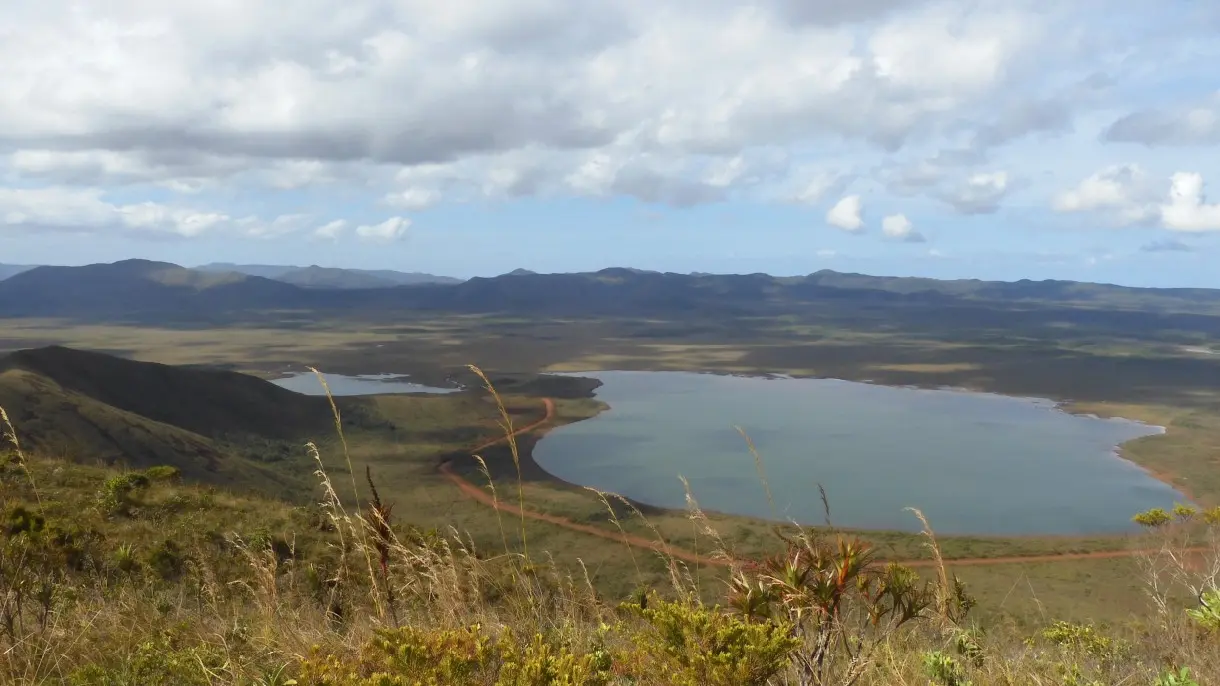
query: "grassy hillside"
215, 426
133, 577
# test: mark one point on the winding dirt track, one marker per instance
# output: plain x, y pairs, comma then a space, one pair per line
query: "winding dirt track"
475, 492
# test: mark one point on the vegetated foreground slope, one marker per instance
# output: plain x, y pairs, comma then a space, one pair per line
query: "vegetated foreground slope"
137, 578
95, 407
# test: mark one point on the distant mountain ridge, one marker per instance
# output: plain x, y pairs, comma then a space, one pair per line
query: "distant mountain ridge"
137, 286
314, 276
158, 290
7, 270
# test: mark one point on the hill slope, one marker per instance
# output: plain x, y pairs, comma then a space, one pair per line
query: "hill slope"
216, 426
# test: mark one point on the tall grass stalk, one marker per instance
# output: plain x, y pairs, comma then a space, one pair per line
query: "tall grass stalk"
359, 528
10, 436
510, 433
495, 500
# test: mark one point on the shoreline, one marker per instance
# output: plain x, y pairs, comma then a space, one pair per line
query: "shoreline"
1066, 406
541, 426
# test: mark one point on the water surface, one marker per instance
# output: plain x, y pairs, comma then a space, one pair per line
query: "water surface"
972, 462
363, 384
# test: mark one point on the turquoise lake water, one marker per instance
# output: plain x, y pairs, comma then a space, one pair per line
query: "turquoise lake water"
973, 463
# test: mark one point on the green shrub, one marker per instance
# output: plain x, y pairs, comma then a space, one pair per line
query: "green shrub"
1180, 678
159, 661
20, 520
166, 561
1084, 639
116, 496
690, 645
467, 656
944, 669
1154, 518
1207, 615
163, 473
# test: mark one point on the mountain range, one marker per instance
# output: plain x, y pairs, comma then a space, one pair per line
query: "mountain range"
314, 276
144, 290
7, 270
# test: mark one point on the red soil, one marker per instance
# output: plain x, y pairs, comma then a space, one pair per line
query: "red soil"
475, 492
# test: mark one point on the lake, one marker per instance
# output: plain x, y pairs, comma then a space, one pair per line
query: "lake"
974, 463
363, 384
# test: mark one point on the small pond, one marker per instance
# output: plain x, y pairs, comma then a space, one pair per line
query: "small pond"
974, 463
363, 384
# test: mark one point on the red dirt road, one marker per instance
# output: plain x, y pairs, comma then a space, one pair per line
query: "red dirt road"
477, 493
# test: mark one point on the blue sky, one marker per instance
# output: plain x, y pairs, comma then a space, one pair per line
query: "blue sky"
986, 138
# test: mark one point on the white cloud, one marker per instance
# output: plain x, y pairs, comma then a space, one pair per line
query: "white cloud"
80, 211
387, 231
331, 230
1187, 208
1112, 187
177, 92
1183, 125
827, 253
414, 198
1123, 191
415, 104
72, 210
980, 194
898, 227
846, 214
819, 184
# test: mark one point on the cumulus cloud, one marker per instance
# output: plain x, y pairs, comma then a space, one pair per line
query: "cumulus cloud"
387, 231
1187, 208
1123, 191
72, 210
899, 228
982, 193
1184, 126
846, 214
815, 186
414, 104
414, 198
191, 91
330, 230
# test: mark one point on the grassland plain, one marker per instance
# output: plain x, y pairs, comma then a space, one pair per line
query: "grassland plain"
1103, 374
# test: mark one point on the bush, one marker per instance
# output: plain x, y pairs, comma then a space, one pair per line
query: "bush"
160, 661
1207, 615
411, 655
691, 645
166, 561
19, 520
164, 473
115, 498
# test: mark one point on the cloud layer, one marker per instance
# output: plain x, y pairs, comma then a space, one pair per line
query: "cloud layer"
183, 119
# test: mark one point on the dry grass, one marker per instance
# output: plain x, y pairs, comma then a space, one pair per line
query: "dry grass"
262, 610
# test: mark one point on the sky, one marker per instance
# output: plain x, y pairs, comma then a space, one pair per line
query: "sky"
997, 139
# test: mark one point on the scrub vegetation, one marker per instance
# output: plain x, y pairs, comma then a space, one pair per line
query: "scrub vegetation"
113, 576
